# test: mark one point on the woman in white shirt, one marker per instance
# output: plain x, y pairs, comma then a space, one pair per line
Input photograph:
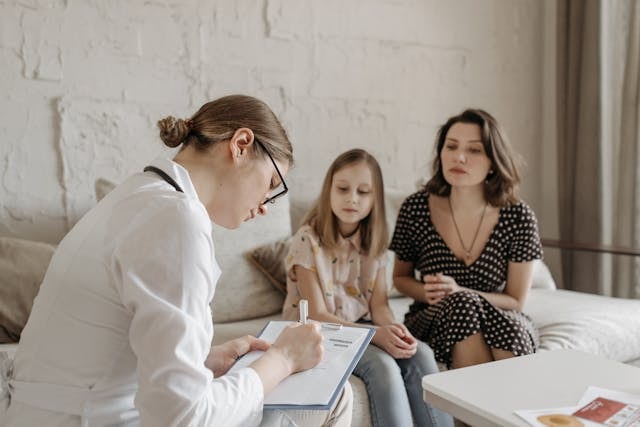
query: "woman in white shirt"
121, 331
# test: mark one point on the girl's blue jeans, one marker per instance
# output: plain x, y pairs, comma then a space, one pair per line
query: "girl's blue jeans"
395, 388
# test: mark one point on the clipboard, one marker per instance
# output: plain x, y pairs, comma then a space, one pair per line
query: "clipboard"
318, 387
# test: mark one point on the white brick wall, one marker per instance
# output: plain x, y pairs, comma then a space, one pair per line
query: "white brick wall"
83, 82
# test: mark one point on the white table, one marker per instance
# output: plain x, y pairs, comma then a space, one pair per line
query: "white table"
486, 395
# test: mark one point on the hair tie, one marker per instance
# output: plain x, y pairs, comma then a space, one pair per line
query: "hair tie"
189, 123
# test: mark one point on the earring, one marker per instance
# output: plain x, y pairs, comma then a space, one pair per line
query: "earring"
489, 175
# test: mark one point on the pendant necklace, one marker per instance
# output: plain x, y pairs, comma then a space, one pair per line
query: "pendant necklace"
475, 236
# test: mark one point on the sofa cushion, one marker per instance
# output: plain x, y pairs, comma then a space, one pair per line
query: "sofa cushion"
102, 187
243, 292
542, 278
605, 326
22, 267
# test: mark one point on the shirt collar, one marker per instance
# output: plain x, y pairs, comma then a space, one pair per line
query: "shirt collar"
353, 240
178, 173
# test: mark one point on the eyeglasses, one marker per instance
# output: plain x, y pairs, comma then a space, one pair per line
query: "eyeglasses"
285, 189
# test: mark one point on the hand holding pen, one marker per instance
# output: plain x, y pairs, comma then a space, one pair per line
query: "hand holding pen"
303, 306
300, 344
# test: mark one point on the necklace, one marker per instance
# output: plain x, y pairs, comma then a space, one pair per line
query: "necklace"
475, 236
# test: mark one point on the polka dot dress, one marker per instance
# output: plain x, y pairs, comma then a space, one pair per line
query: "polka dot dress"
460, 315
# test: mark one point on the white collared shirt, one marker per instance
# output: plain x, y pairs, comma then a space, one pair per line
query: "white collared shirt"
124, 312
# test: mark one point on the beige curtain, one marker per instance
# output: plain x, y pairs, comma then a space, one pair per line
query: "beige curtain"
599, 140
622, 126
579, 138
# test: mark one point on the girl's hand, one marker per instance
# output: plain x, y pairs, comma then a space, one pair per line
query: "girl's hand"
438, 286
300, 346
396, 340
222, 357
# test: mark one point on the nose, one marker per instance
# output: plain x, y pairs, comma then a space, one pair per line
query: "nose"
462, 158
353, 197
262, 210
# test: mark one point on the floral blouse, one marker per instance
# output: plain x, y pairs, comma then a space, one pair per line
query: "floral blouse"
346, 275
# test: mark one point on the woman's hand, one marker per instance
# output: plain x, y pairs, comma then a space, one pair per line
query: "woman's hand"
222, 357
300, 345
396, 340
438, 286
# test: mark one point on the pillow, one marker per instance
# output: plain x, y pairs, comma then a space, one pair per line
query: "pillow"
102, 188
269, 259
542, 278
23, 264
243, 292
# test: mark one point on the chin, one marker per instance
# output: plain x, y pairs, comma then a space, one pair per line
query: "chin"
232, 225
227, 223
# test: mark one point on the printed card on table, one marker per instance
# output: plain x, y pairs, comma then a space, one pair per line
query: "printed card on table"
598, 407
610, 413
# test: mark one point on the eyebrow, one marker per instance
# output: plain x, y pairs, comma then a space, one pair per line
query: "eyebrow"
475, 141
346, 181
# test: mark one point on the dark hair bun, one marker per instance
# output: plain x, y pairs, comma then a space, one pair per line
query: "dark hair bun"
173, 131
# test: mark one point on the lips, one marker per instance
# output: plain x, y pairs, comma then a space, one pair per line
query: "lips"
252, 214
349, 210
457, 171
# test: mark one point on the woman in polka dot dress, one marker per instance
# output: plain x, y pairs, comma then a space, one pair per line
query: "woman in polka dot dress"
473, 242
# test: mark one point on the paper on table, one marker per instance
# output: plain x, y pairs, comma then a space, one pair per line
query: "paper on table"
342, 350
531, 416
610, 407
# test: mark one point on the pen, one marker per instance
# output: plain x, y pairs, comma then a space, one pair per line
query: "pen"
304, 311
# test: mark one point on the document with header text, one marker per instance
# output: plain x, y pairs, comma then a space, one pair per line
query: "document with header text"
318, 387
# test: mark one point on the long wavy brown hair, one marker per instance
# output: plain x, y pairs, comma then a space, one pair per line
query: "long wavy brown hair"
501, 187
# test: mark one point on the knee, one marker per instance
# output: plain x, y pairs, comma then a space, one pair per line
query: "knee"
342, 412
463, 304
424, 360
424, 351
466, 297
347, 394
381, 365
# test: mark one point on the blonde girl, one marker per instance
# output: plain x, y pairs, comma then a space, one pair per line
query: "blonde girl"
337, 261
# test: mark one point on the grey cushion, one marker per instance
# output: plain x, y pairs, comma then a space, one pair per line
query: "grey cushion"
23, 264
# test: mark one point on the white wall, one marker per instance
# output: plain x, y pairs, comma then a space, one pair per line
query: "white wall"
83, 82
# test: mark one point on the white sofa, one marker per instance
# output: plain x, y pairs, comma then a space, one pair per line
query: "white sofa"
249, 294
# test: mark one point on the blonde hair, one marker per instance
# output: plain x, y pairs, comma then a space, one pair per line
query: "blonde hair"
374, 233
218, 120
